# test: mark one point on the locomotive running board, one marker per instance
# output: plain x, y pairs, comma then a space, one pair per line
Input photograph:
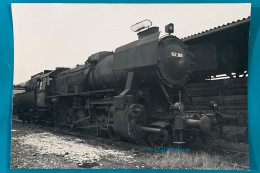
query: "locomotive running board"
82, 93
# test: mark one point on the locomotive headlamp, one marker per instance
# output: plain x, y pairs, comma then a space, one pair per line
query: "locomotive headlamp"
213, 105
169, 28
178, 106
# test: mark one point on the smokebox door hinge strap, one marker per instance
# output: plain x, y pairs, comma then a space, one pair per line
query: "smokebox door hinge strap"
129, 81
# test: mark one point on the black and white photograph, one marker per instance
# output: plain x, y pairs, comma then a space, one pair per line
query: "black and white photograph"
130, 86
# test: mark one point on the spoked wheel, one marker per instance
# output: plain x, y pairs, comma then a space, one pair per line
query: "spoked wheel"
111, 134
94, 131
158, 139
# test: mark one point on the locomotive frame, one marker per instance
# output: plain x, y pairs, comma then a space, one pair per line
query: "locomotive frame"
131, 93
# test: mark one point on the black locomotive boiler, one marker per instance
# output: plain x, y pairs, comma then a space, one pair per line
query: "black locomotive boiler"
132, 93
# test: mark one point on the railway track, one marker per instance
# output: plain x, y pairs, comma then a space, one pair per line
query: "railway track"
62, 131
137, 148
144, 148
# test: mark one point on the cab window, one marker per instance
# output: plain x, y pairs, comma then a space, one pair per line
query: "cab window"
40, 84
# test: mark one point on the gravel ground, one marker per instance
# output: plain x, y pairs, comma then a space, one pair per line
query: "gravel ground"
35, 146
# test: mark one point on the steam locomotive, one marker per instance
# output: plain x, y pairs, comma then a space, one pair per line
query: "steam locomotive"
133, 93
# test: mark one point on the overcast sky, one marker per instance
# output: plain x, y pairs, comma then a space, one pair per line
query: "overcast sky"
47, 36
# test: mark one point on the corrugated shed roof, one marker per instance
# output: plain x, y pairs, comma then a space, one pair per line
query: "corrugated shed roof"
216, 29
